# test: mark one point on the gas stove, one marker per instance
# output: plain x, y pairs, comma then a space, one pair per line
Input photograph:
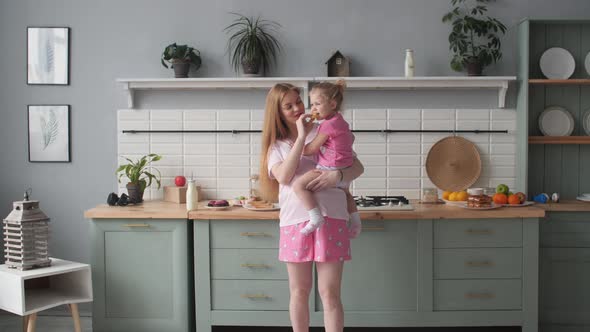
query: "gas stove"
379, 203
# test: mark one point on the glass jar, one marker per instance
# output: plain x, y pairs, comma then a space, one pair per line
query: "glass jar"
254, 187
429, 195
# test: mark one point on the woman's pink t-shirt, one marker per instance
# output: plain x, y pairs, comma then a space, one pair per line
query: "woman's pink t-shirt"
337, 150
331, 201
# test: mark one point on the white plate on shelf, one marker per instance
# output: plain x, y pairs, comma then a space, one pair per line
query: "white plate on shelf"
586, 122
274, 207
583, 198
556, 121
527, 203
587, 63
557, 63
493, 206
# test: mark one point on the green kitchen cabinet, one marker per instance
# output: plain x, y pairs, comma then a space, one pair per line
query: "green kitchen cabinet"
564, 272
140, 275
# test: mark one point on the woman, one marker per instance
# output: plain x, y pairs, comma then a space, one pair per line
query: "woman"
286, 130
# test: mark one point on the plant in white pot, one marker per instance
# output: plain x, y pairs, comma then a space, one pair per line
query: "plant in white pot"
139, 176
252, 44
474, 38
180, 58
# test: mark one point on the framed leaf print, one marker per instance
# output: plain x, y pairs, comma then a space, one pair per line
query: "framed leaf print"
49, 133
48, 55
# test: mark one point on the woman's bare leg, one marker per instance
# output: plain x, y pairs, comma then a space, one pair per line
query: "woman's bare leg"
329, 283
300, 282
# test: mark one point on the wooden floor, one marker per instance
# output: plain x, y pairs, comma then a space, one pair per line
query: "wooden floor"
12, 323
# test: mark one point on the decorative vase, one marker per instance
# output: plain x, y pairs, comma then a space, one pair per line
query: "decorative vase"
135, 193
251, 68
181, 69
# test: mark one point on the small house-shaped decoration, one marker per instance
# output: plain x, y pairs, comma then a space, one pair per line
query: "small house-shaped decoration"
338, 65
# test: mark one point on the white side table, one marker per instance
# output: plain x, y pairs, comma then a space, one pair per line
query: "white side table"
27, 292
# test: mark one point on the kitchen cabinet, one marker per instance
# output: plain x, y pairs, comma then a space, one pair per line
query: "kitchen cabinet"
564, 272
404, 273
540, 159
140, 275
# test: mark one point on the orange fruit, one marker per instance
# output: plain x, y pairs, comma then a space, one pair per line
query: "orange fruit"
462, 196
500, 198
453, 196
446, 194
513, 199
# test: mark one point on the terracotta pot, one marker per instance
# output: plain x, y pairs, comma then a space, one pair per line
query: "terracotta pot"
135, 193
181, 69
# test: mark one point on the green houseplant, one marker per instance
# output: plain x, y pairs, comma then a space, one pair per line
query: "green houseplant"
180, 58
252, 44
138, 175
474, 37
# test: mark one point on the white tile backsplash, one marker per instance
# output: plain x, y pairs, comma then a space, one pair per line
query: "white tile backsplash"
394, 163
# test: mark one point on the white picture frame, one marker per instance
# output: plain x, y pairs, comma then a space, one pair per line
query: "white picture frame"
48, 55
49, 133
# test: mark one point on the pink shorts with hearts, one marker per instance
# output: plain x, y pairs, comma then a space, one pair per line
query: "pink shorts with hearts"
329, 243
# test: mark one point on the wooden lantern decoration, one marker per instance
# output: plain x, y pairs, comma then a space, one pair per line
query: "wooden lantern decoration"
338, 65
26, 236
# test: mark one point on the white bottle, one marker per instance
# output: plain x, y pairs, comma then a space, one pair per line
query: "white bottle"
409, 67
192, 196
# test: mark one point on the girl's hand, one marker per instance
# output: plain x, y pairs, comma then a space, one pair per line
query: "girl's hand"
326, 179
303, 125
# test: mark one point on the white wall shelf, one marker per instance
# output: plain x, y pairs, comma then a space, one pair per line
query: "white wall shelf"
499, 83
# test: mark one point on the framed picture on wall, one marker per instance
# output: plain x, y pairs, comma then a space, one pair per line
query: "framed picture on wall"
48, 55
49, 133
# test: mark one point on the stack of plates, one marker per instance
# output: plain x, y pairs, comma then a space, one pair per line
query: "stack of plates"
556, 121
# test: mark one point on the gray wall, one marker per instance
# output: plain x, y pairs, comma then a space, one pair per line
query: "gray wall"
124, 39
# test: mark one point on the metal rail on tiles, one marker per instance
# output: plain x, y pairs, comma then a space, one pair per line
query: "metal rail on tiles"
384, 131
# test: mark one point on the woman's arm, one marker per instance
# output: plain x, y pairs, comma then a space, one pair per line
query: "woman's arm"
329, 179
285, 170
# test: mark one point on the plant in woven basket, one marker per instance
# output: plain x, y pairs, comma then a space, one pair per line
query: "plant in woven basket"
180, 58
139, 176
253, 44
474, 37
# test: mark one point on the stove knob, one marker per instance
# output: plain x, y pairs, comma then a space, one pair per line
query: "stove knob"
400, 203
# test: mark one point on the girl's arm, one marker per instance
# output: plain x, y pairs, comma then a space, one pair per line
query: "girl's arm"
329, 179
313, 147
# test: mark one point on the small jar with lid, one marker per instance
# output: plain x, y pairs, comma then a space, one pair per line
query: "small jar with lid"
254, 187
429, 195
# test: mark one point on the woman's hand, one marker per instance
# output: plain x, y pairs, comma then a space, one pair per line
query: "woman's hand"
304, 124
326, 179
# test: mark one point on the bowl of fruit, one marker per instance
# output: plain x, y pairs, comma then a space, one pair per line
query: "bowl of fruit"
505, 197
455, 197
220, 204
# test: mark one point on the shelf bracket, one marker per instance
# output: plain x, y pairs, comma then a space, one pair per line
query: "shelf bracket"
502, 95
130, 93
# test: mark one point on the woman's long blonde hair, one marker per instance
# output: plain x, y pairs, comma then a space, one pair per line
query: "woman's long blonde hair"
274, 128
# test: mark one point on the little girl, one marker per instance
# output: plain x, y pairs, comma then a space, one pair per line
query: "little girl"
334, 144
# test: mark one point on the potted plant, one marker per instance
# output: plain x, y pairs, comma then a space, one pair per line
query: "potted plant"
180, 58
139, 177
474, 39
252, 44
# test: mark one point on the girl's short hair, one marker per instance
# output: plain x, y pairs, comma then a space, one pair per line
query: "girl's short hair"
332, 91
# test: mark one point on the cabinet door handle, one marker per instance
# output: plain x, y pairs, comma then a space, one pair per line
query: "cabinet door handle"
479, 295
137, 225
472, 231
256, 296
262, 234
478, 263
256, 266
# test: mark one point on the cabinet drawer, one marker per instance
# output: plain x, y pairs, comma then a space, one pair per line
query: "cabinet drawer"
566, 230
489, 294
244, 234
249, 295
480, 263
247, 264
466, 233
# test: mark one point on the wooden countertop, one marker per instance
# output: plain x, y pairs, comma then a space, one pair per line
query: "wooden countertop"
145, 210
566, 206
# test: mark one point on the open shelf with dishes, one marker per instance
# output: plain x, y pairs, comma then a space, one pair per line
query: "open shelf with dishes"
553, 117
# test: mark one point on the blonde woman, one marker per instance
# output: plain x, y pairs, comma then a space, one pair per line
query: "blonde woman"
286, 130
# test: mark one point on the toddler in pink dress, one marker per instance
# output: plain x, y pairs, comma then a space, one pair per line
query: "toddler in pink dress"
333, 144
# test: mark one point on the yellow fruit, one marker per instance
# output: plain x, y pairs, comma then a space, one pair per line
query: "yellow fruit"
446, 195
462, 196
453, 196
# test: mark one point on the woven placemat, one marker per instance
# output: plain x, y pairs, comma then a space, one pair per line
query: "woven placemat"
453, 163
